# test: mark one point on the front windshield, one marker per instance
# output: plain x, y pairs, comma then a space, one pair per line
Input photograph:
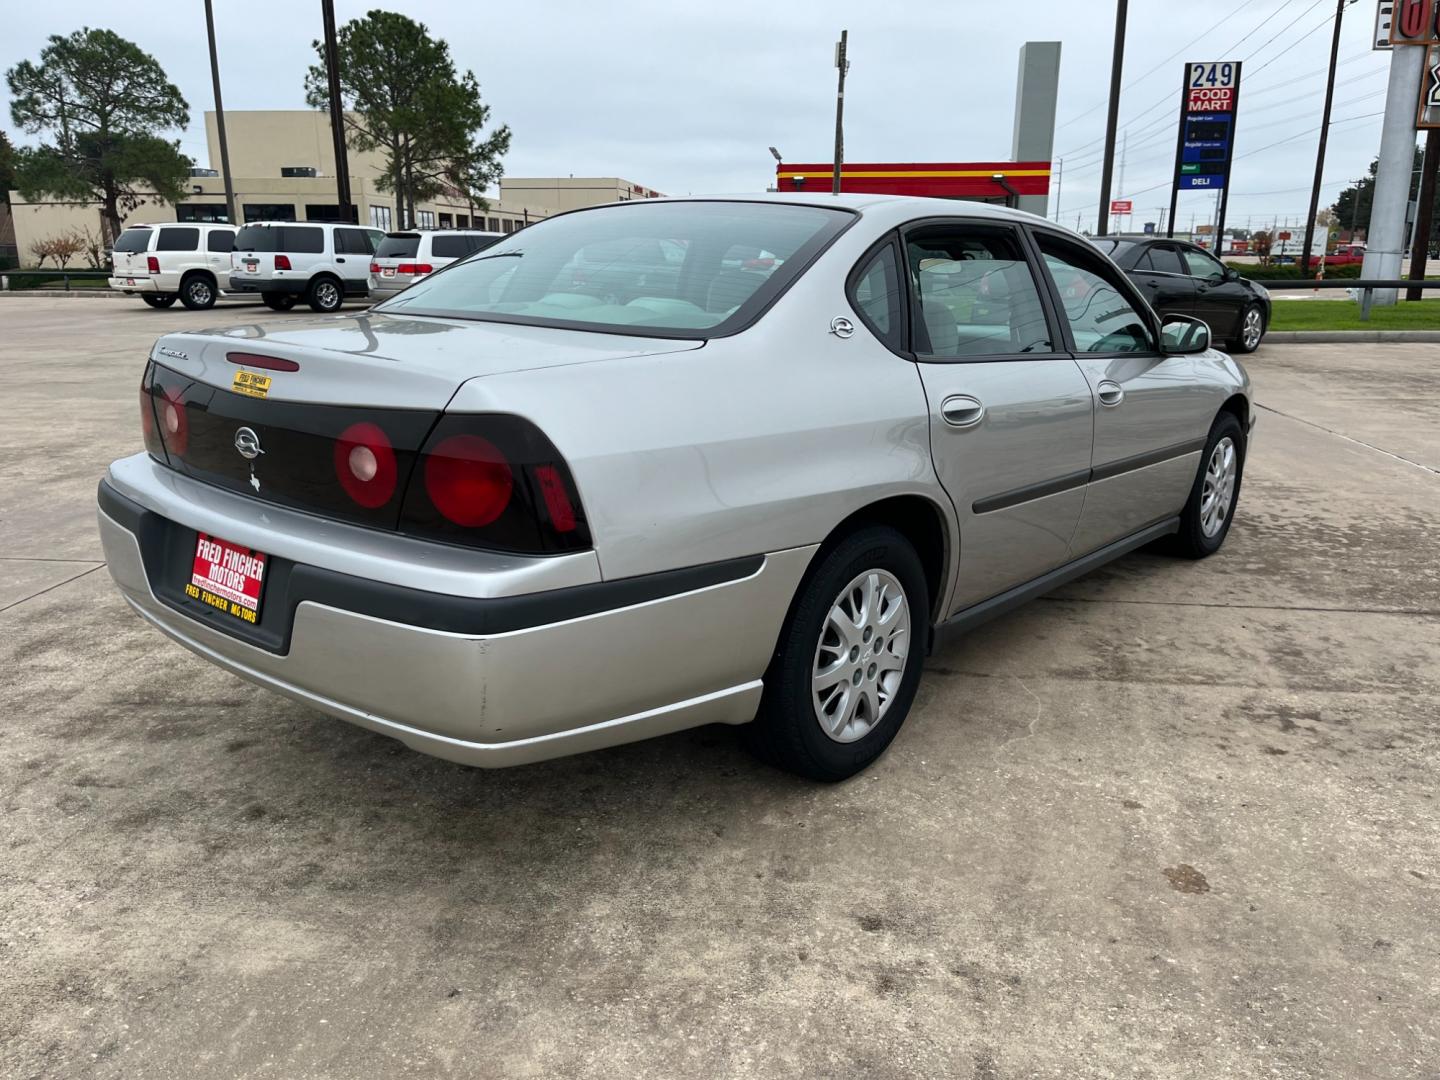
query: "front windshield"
671, 269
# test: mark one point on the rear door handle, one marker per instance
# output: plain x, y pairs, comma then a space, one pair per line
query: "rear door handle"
962, 411
1110, 393
339, 260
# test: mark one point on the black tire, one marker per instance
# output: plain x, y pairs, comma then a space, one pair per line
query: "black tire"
1191, 541
198, 292
787, 732
158, 300
325, 294
279, 301
1239, 344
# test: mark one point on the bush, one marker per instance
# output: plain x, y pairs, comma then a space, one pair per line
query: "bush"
1291, 272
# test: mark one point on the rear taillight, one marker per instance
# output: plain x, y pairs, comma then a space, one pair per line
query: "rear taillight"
282, 262
468, 480
153, 446
365, 465
494, 481
152, 264
414, 268
174, 424
374, 268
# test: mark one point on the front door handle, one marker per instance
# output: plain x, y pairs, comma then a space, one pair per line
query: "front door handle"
962, 411
1110, 393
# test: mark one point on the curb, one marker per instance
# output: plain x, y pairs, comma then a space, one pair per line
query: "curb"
1350, 337
61, 292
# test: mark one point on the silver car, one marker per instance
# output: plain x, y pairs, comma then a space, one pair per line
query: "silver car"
560, 496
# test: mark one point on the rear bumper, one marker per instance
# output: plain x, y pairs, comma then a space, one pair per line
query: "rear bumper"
545, 683
141, 284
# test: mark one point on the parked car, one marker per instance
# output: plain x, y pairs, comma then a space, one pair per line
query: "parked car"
169, 261
319, 262
1181, 279
403, 258
501, 520
1346, 255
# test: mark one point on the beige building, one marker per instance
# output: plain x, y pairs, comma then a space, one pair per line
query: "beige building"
283, 168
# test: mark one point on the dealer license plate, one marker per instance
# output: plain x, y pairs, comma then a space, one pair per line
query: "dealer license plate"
251, 265
129, 281
227, 577
386, 271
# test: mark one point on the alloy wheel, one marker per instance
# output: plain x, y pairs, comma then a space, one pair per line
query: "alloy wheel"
1254, 327
1218, 492
327, 295
860, 658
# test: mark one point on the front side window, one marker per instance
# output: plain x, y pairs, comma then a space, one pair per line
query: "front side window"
133, 240
1102, 319
181, 239
974, 294
1201, 265
878, 295
663, 269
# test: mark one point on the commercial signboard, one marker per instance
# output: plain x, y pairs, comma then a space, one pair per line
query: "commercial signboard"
1207, 125
1412, 22
1384, 16
1122, 206
1429, 112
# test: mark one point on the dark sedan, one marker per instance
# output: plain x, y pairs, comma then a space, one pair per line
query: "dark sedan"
1182, 279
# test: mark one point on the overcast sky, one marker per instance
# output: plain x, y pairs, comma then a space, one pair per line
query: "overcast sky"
686, 97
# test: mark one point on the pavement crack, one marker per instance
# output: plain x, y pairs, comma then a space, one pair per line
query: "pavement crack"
1350, 438
1030, 727
52, 588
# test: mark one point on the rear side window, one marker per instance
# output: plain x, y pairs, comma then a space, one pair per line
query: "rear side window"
399, 246
304, 241
450, 247
133, 240
352, 242
877, 295
974, 293
220, 240
1101, 316
181, 239
1163, 260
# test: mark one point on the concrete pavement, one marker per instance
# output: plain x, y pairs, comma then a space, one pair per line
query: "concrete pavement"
1178, 819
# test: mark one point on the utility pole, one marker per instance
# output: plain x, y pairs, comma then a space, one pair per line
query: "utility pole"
1120, 183
337, 116
843, 64
220, 117
1324, 137
1424, 212
1117, 66
1059, 180
1386, 237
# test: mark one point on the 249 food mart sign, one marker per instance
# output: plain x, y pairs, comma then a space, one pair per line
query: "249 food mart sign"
1207, 125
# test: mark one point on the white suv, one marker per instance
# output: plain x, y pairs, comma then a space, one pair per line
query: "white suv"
403, 258
285, 261
173, 260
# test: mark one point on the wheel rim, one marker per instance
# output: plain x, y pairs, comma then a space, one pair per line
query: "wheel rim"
860, 658
199, 292
1218, 492
327, 294
1253, 328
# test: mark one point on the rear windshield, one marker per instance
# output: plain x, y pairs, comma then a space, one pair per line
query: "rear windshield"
280, 238
1112, 247
681, 269
133, 240
399, 246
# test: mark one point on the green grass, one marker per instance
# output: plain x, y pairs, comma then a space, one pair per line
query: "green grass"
1345, 315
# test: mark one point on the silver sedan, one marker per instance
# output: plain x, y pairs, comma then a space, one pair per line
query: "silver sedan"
620, 475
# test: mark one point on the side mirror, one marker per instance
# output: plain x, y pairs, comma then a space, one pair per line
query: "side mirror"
1231, 274
1181, 335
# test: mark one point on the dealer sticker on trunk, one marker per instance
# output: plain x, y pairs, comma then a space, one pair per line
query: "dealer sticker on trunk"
227, 577
251, 384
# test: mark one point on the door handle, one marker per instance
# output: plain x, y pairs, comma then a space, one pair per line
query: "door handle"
339, 259
962, 411
1110, 393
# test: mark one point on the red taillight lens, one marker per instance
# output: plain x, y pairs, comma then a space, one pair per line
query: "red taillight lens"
153, 446
557, 499
365, 465
414, 268
374, 268
174, 424
152, 264
282, 262
468, 480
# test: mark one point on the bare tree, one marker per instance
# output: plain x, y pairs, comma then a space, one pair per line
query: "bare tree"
40, 250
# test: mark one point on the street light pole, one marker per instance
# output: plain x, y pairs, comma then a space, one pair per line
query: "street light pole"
844, 65
1324, 137
220, 117
337, 115
1117, 65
